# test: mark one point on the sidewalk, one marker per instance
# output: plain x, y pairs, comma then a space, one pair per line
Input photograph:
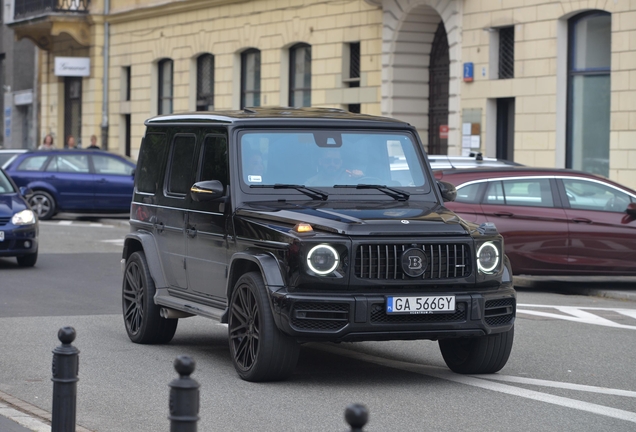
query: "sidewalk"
612, 287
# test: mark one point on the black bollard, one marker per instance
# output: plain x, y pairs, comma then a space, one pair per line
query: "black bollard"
65, 370
184, 397
357, 416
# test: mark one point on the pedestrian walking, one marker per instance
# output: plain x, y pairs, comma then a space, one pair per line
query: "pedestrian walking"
47, 143
93, 143
70, 143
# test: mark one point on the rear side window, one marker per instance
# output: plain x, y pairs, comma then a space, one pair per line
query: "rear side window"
111, 166
522, 192
214, 160
180, 169
150, 159
34, 163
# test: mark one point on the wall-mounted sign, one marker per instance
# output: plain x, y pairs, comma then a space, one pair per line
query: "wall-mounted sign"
469, 72
73, 66
23, 97
443, 131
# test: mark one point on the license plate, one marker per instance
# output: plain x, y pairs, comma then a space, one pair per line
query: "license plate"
420, 305
1, 235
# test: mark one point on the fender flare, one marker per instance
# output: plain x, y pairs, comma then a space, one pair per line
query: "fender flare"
149, 247
43, 186
268, 265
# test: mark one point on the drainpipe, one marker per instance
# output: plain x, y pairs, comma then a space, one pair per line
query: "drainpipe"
105, 83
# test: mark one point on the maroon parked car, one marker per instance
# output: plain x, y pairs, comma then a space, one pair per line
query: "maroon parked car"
554, 221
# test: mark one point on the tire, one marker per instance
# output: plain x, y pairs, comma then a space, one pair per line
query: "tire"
43, 204
259, 350
27, 260
141, 314
478, 355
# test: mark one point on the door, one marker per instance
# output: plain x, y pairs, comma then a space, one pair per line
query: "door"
69, 174
506, 128
72, 109
602, 235
171, 211
113, 183
535, 231
439, 81
206, 233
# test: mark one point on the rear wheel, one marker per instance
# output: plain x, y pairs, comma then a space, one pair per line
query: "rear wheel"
43, 204
144, 325
27, 260
260, 351
478, 355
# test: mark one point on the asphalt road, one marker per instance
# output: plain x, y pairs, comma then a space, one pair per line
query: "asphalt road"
571, 367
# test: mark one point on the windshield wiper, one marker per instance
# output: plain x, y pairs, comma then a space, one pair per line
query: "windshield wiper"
393, 193
312, 193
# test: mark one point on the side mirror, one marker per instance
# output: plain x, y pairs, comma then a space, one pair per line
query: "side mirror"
206, 190
449, 192
132, 173
631, 209
25, 191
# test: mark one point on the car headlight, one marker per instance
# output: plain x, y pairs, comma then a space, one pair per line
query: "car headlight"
25, 217
322, 259
488, 258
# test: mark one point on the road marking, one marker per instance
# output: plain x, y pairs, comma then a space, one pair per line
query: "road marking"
579, 314
116, 242
76, 224
442, 373
23, 419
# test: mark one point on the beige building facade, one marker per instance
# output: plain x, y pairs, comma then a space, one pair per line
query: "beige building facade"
545, 83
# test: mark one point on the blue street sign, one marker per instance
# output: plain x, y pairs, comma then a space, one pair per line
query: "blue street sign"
469, 72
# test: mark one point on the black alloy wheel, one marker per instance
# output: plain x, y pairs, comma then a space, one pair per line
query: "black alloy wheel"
260, 351
144, 325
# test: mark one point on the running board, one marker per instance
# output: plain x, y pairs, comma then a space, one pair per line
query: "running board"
163, 298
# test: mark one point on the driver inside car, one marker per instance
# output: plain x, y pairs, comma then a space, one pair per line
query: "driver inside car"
331, 170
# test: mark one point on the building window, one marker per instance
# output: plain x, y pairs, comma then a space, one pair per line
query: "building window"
165, 86
205, 82
506, 52
352, 64
251, 78
589, 61
300, 75
353, 108
126, 82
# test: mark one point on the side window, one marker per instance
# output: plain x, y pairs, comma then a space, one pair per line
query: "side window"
214, 159
75, 164
111, 165
528, 192
35, 163
494, 194
468, 194
150, 161
588, 195
180, 169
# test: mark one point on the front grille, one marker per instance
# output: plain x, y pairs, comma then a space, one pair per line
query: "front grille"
499, 312
4, 220
7, 245
445, 261
320, 316
379, 316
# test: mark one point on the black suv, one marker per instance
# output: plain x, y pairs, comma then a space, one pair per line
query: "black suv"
298, 225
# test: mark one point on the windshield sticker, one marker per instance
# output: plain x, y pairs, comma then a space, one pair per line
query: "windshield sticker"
254, 179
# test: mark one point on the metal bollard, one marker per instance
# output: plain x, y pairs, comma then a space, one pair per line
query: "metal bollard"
65, 370
184, 397
357, 416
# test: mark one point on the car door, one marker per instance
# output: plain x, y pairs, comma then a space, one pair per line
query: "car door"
602, 235
113, 183
206, 233
70, 175
171, 211
466, 204
526, 211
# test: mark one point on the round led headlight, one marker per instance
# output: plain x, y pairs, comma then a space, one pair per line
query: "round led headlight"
487, 257
322, 259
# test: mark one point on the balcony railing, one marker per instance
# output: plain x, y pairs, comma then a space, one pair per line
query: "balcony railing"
29, 8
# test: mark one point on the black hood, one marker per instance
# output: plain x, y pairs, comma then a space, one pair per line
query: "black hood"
11, 204
361, 217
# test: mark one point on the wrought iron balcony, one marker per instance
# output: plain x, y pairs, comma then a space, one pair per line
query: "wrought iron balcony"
25, 9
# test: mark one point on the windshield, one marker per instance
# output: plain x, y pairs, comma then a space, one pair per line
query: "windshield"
5, 185
328, 159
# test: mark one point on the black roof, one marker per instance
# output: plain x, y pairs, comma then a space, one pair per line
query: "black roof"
277, 116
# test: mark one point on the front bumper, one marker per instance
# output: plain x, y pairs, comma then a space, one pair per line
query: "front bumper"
359, 317
19, 240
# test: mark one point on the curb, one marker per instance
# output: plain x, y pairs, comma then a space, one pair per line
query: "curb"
611, 287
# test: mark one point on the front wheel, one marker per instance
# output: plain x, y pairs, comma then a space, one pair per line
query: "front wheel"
27, 260
477, 355
260, 351
144, 325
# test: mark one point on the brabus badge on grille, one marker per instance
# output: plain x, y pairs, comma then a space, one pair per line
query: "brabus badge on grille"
414, 262
404, 221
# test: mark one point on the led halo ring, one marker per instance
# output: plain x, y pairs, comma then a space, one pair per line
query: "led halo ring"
336, 260
494, 266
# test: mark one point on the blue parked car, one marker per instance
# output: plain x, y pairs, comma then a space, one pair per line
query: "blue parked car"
78, 181
18, 224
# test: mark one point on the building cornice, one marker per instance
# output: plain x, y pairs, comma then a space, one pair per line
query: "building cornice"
166, 8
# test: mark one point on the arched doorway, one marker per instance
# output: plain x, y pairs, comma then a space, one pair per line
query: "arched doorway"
439, 79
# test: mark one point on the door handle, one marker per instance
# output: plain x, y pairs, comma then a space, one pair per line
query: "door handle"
581, 220
192, 232
503, 214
